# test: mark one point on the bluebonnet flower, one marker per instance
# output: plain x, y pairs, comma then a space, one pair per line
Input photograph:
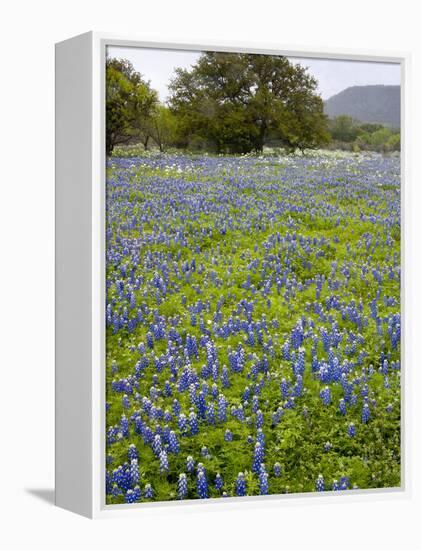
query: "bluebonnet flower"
263, 481
173, 444
163, 462
225, 377
182, 486
165, 433
190, 464
148, 491
284, 388
108, 482
290, 403
222, 408
327, 446
240, 413
210, 414
259, 419
219, 482
149, 340
125, 401
260, 437
343, 483
192, 394
134, 472
115, 490
286, 354
297, 335
167, 389
342, 406
205, 452
365, 415
182, 423
240, 485
325, 395
255, 404
277, 415
202, 484
121, 476
132, 452
298, 388
194, 425
176, 407
299, 365
148, 435
201, 404
351, 430
183, 382
320, 483
201, 467
133, 495
228, 435
335, 485
124, 425
157, 445
257, 457
277, 469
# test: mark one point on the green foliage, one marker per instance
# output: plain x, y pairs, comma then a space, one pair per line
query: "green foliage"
394, 142
343, 128
162, 127
129, 103
348, 133
233, 102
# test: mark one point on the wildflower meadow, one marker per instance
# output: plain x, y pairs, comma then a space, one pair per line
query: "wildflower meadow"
252, 324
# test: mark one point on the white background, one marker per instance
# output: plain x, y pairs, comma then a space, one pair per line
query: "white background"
29, 30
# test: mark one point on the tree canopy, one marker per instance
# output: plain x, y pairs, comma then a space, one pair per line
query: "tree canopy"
130, 102
235, 102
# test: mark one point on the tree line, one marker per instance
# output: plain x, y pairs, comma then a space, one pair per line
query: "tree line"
350, 134
225, 103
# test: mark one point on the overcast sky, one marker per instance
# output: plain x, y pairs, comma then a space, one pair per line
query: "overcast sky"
158, 66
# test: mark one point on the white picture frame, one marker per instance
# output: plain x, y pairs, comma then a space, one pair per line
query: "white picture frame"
80, 274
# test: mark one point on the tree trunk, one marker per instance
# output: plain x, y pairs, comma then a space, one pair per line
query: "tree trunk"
262, 138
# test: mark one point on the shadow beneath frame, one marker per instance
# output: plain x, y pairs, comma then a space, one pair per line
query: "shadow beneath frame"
47, 495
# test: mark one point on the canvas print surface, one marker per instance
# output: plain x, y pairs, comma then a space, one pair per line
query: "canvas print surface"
252, 275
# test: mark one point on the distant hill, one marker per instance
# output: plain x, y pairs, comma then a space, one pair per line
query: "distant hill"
378, 103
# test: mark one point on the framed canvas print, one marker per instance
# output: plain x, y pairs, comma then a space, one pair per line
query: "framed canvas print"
229, 274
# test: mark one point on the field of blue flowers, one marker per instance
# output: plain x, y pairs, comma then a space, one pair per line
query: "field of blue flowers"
253, 325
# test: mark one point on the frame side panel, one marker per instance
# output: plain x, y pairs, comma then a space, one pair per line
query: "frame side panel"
73, 430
